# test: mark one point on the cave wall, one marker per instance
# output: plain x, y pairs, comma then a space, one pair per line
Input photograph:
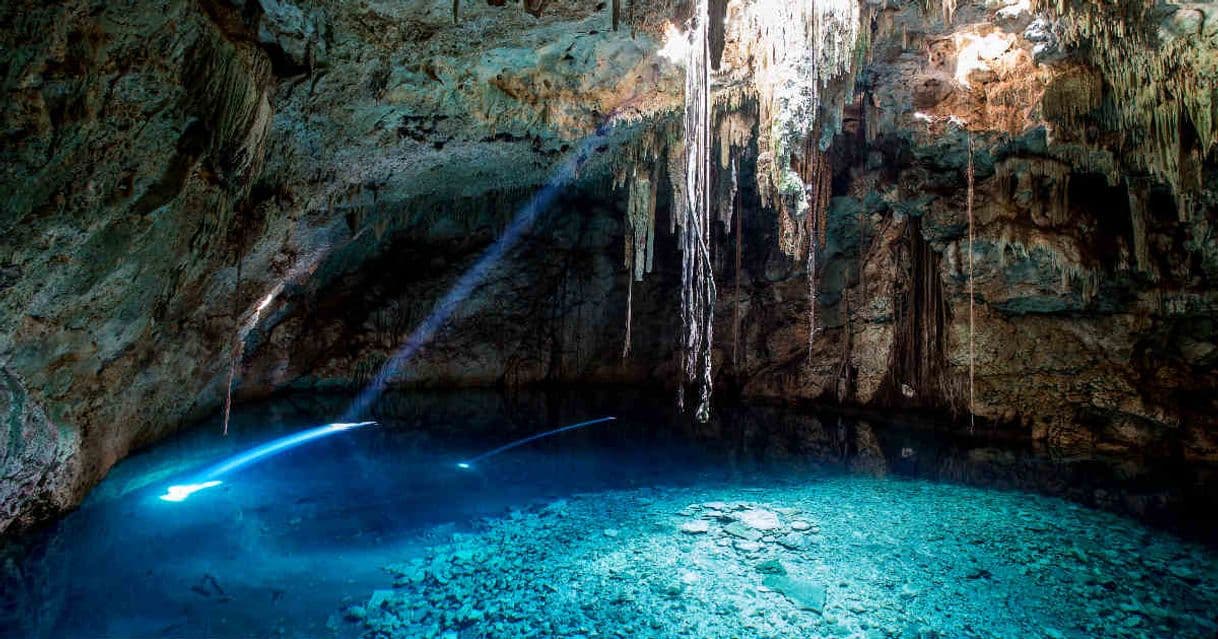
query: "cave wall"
1094, 277
129, 134
1093, 274
169, 169
291, 186
552, 310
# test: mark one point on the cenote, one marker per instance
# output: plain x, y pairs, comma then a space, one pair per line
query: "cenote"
718, 319
767, 521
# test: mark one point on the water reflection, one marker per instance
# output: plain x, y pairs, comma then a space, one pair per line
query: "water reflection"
1163, 491
331, 514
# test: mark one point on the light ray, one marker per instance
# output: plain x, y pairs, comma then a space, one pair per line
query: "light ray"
473, 277
469, 463
210, 477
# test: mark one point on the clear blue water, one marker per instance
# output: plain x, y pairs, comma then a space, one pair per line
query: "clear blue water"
309, 543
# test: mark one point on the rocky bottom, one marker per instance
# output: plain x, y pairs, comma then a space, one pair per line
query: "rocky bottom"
831, 557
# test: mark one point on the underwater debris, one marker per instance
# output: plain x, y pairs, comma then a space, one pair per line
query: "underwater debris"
675, 566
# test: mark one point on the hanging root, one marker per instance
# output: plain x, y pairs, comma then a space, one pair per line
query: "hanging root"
812, 295
842, 387
629, 305
238, 343
918, 365
698, 292
815, 172
736, 306
232, 373
971, 296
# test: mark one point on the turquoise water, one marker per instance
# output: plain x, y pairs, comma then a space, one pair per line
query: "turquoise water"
766, 523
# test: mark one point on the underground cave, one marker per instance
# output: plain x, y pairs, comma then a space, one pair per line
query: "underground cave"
773, 319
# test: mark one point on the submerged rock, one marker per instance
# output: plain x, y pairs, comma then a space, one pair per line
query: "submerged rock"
793, 541
771, 567
744, 545
760, 519
379, 598
741, 531
561, 576
804, 593
695, 527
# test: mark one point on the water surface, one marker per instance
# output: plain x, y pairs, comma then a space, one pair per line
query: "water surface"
289, 546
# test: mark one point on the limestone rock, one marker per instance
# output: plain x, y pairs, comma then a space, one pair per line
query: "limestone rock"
805, 594
695, 527
741, 531
759, 519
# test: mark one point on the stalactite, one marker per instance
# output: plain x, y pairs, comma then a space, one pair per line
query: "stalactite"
229, 84
843, 385
946, 8
640, 222
734, 133
727, 196
1157, 81
803, 55
616, 10
675, 168
1040, 184
1138, 198
1076, 92
1067, 264
871, 118
639, 239
636, 167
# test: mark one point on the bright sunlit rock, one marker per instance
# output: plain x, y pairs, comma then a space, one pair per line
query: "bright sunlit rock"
676, 45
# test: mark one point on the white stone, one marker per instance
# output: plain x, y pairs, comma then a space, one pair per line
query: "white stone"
695, 527
759, 519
